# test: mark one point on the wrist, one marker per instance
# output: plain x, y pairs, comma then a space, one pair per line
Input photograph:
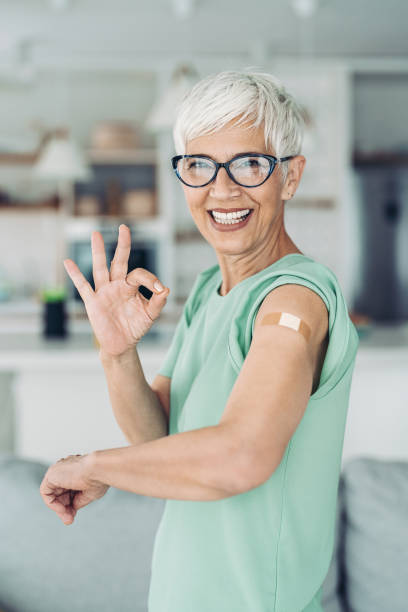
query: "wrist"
122, 357
90, 466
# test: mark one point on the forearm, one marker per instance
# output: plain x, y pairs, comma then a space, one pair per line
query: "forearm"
137, 409
198, 465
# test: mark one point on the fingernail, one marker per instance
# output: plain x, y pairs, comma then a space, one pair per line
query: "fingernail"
158, 286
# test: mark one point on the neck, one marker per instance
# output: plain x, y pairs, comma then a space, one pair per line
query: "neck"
235, 268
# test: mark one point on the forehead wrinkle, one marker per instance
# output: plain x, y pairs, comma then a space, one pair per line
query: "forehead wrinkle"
230, 135
228, 156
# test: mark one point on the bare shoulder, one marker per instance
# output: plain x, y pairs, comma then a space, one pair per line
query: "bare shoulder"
306, 304
301, 302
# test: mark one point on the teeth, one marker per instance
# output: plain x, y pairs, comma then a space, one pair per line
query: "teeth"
229, 218
232, 215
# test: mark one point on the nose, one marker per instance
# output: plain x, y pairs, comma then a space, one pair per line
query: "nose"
223, 187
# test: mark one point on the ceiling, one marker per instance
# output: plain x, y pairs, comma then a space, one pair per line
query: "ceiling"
120, 34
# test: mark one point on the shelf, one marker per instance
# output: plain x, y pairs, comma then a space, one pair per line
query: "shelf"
51, 204
382, 158
188, 235
124, 218
122, 156
95, 156
11, 159
81, 227
299, 202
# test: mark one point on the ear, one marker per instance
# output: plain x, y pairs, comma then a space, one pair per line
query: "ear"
296, 166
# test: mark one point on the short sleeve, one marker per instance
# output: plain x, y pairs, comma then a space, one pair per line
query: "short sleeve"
343, 337
175, 346
181, 330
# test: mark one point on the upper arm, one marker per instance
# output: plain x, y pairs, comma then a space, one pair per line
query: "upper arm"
275, 382
161, 386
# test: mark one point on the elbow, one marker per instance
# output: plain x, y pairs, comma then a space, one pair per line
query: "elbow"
252, 471
244, 473
246, 465
165, 406
247, 474
241, 471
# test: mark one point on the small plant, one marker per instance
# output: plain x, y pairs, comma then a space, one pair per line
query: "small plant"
53, 294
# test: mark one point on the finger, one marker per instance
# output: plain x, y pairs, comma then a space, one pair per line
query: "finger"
120, 261
156, 304
84, 288
65, 498
141, 276
81, 499
99, 268
65, 512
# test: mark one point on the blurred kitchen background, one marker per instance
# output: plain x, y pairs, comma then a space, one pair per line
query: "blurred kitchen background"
88, 92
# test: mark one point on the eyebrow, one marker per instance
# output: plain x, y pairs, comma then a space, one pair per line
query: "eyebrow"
235, 154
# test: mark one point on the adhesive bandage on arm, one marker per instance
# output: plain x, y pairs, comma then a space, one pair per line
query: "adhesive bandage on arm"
287, 320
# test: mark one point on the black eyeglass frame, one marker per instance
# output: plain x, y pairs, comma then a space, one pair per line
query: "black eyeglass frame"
271, 158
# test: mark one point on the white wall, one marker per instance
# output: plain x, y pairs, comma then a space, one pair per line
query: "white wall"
77, 100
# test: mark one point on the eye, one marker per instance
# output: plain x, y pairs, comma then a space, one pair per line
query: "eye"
196, 163
248, 162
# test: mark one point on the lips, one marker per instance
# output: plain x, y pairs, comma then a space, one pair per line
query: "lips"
229, 210
228, 227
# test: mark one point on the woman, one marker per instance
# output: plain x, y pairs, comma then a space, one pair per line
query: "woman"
255, 385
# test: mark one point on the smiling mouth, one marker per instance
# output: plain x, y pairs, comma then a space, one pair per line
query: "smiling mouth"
230, 219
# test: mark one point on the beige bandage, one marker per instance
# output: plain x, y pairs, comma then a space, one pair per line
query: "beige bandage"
288, 320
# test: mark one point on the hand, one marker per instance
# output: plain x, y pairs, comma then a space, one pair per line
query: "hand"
66, 487
119, 314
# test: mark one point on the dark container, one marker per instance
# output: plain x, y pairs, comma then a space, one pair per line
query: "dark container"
54, 315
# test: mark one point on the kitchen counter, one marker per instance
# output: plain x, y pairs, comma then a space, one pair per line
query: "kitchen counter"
29, 350
22, 345
53, 393
55, 399
20, 351
384, 336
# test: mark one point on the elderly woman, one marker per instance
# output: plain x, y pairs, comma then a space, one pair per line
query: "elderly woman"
242, 429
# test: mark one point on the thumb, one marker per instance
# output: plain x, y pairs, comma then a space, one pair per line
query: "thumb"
156, 303
81, 500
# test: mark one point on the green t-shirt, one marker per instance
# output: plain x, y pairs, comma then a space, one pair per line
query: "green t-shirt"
268, 549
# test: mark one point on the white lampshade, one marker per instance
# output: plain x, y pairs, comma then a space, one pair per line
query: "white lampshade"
62, 160
304, 8
164, 111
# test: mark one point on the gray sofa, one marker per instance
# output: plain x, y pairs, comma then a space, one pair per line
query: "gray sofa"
102, 561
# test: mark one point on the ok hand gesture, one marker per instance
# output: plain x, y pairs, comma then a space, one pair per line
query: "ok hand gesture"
119, 314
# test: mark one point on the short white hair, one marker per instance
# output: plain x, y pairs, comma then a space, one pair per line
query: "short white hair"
259, 97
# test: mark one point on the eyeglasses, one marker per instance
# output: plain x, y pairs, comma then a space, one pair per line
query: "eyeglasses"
246, 169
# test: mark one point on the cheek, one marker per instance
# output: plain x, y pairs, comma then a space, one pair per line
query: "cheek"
195, 200
266, 198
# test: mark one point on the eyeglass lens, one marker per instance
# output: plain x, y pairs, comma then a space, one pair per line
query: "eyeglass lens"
197, 171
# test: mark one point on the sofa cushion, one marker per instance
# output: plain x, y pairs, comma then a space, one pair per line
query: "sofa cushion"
376, 534
99, 562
